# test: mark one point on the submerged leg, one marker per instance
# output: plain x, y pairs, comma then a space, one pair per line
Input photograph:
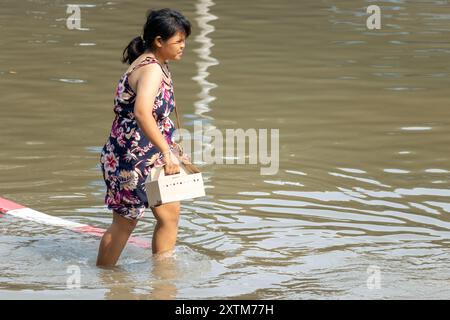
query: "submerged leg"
114, 240
166, 229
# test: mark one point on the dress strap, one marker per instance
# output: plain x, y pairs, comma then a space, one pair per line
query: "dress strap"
142, 63
151, 59
166, 73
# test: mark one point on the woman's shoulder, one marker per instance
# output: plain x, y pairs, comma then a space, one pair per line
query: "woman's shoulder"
140, 62
146, 70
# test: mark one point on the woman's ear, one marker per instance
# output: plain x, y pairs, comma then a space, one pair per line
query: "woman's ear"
159, 41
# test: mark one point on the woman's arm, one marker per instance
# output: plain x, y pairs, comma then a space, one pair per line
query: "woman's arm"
147, 88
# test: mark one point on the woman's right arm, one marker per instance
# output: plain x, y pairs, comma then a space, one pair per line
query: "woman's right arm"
147, 88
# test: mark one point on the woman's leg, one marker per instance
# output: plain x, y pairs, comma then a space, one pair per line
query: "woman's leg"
114, 240
166, 229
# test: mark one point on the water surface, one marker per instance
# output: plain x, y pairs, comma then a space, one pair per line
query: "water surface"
363, 179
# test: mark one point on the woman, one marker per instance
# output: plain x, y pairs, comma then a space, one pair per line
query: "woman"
141, 135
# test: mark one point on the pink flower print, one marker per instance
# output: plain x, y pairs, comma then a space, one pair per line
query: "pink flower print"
167, 125
136, 136
166, 95
139, 151
109, 146
157, 104
159, 163
121, 140
127, 196
148, 147
115, 129
112, 195
119, 89
113, 183
111, 162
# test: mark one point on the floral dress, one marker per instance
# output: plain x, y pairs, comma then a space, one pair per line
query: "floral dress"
128, 156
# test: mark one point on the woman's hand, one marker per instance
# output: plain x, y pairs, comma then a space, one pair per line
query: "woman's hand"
172, 165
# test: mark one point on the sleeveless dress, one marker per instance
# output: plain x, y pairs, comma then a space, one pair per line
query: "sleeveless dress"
128, 156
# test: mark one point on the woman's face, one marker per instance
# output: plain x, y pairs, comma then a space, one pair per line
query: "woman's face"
172, 48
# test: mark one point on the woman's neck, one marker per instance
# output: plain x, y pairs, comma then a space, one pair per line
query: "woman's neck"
158, 57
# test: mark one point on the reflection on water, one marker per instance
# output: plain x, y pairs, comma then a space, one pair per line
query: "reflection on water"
154, 277
205, 61
204, 18
364, 173
121, 285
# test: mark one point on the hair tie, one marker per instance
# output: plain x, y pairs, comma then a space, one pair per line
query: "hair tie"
142, 38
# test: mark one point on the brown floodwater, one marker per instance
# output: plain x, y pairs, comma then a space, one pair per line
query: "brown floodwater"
363, 177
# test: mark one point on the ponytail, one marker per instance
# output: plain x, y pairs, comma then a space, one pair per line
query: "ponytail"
134, 49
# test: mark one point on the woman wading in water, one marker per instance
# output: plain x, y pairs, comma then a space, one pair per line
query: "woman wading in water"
141, 135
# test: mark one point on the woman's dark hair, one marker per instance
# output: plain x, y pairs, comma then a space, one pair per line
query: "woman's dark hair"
164, 23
